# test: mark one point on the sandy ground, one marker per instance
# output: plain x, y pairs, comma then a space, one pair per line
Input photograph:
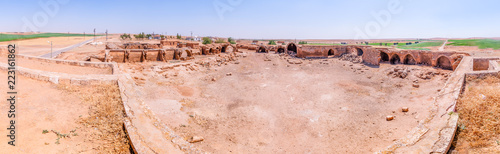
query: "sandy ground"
276, 107
53, 109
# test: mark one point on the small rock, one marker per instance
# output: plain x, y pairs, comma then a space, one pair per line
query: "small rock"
404, 109
389, 118
237, 62
482, 96
195, 139
229, 74
213, 79
416, 85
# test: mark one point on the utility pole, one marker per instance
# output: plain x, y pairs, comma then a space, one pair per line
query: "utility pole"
94, 34
192, 36
106, 35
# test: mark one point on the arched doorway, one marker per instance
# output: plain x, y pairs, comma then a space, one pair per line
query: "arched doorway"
331, 52
384, 57
223, 49
291, 48
262, 49
444, 63
395, 59
281, 50
409, 60
359, 52
228, 48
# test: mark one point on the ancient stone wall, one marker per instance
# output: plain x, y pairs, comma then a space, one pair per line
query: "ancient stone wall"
480, 64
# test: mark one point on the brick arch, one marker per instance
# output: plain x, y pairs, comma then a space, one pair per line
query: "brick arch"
358, 51
225, 47
280, 49
384, 56
409, 60
262, 48
395, 59
444, 62
331, 52
292, 48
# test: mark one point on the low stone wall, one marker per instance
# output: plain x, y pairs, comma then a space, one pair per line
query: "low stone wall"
69, 62
495, 65
62, 78
481, 64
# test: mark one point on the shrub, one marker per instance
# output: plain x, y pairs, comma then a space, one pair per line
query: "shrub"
272, 42
207, 40
125, 36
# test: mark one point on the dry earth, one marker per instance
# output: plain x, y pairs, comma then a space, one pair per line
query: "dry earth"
58, 109
258, 106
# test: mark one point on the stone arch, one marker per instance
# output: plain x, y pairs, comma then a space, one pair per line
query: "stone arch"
409, 60
228, 48
292, 48
262, 49
358, 51
395, 59
211, 51
223, 49
384, 57
331, 52
280, 50
444, 63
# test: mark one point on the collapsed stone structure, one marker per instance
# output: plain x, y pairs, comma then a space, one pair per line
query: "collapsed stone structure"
372, 55
141, 52
137, 52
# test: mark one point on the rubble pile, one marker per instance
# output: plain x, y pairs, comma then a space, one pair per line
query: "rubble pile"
351, 57
424, 74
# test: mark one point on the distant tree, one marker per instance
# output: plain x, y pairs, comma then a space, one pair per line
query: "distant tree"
149, 36
140, 36
302, 42
125, 36
230, 40
207, 40
271, 42
162, 37
179, 36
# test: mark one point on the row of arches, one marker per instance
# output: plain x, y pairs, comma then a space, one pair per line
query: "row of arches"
442, 61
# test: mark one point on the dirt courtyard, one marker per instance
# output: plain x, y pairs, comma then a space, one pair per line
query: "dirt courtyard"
272, 106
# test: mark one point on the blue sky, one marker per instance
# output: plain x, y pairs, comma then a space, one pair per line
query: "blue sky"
267, 19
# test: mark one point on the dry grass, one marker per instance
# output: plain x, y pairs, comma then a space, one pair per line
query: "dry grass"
479, 110
106, 114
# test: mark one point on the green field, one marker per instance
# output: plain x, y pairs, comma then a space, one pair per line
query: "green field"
419, 46
481, 43
10, 37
